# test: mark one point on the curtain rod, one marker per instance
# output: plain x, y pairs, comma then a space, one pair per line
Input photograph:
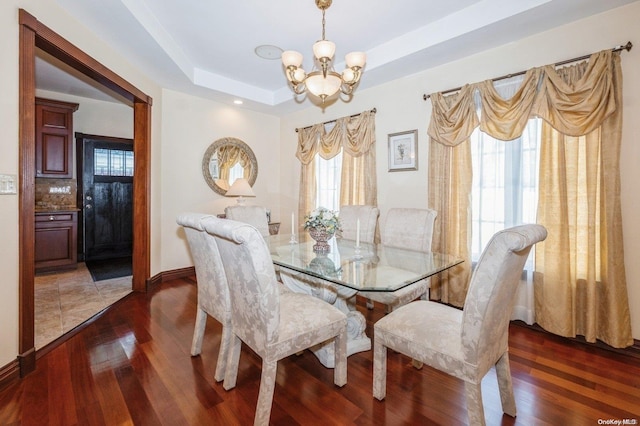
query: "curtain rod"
374, 110
626, 47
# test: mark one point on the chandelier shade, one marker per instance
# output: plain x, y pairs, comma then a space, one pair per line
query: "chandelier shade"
323, 81
322, 86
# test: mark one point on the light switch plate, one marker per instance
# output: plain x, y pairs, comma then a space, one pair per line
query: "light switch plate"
8, 184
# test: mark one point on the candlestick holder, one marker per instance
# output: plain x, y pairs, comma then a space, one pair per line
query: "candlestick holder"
357, 253
293, 239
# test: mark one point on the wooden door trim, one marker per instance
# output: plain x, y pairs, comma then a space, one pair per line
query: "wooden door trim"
34, 34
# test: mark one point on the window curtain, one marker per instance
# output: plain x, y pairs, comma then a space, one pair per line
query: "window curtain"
355, 136
228, 156
450, 178
582, 101
581, 285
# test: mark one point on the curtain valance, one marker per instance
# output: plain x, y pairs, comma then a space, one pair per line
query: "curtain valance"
573, 109
355, 135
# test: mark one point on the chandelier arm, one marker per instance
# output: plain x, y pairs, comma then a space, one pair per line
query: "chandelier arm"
346, 89
291, 70
298, 89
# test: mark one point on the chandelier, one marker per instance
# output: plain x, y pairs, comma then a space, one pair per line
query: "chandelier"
325, 81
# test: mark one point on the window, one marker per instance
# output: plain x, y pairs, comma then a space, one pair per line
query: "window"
236, 172
328, 174
505, 181
112, 162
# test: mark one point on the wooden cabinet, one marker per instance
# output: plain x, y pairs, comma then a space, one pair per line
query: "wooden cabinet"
54, 138
56, 240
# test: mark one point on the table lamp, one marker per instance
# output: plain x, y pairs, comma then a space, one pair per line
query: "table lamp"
240, 189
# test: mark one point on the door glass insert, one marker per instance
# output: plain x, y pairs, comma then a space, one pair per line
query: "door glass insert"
113, 162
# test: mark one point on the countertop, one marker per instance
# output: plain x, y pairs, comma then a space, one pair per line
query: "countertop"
55, 209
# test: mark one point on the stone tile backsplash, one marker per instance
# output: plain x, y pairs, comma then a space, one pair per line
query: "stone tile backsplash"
55, 194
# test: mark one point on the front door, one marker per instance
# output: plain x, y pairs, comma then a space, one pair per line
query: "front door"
107, 196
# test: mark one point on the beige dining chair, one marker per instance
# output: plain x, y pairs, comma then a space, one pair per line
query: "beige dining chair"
410, 229
368, 216
253, 215
213, 293
273, 324
464, 343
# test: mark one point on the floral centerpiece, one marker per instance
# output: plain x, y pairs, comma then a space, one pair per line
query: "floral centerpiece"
322, 223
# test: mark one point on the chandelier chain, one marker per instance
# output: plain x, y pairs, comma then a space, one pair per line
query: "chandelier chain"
323, 22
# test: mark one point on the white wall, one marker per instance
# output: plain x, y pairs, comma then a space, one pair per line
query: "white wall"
401, 107
189, 126
59, 21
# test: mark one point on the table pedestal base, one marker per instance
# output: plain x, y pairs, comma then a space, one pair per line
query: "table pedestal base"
342, 298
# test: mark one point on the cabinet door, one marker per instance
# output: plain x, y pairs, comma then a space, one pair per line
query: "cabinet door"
55, 242
54, 148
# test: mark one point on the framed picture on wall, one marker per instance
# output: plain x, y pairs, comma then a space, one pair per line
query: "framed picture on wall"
403, 151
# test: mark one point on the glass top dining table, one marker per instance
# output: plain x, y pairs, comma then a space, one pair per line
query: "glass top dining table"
374, 267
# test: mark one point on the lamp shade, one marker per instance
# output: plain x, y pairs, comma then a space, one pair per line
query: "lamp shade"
321, 86
291, 58
324, 49
356, 59
240, 188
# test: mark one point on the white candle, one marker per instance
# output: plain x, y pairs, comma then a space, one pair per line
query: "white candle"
358, 233
293, 224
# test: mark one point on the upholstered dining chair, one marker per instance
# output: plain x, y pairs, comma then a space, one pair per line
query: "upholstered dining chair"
213, 292
410, 229
273, 324
253, 215
464, 343
368, 216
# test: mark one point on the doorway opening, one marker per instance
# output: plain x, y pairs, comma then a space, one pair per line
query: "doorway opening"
35, 35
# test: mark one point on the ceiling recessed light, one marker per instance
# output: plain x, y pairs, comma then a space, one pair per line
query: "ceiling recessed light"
267, 51
237, 102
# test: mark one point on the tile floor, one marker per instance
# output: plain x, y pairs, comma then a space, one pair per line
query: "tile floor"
63, 300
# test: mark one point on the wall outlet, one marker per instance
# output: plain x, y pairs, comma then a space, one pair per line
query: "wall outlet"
8, 184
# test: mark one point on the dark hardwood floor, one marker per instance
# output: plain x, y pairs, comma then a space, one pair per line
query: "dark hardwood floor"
132, 366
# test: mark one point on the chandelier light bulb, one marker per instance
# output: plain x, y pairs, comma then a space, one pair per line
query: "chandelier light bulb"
299, 75
348, 75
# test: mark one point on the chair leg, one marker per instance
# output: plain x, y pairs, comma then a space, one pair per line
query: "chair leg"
379, 369
265, 395
340, 363
503, 371
475, 410
233, 359
225, 343
198, 332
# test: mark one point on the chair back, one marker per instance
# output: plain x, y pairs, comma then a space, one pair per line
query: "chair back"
409, 228
252, 281
492, 290
213, 292
253, 215
368, 216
